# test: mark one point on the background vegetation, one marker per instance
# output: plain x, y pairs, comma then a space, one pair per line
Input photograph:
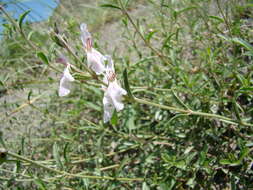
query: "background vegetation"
189, 125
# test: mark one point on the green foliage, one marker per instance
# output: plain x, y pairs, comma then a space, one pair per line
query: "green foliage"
188, 116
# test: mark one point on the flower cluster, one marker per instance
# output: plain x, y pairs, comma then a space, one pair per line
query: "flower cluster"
101, 65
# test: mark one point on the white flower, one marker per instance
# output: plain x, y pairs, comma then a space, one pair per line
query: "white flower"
95, 61
113, 93
64, 88
85, 35
94, 58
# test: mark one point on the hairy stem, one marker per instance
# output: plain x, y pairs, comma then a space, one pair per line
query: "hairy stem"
190, 112
24, 159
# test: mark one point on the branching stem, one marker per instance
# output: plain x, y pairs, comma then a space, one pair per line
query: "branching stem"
190, 112
24, 159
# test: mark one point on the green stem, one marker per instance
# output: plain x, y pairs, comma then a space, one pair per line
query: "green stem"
124, 11
69, 174
190, 112
17, 26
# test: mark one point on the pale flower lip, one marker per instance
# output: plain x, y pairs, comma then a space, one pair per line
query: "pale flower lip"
113, 100
113, 93
96, 61
94, 58
67, 78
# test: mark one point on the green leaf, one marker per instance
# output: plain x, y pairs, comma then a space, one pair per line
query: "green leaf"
29, 95
22, 17
30, 35
126, 84
244, 153
225, 162
65, 152
236, 109
150, 35
203, 154
179, 101
57, 156
191, 182
145, 186
57, 40
40, 184
185, 10
43, 57
93, 106
180, 164
114, 119
126, 4
110, 6
130, 123
239, 41
243, 43
216, 18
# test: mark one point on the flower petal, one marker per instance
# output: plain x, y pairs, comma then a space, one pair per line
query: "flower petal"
85, 35
96, 61
64, 88
67, 74
108, 109
115, 92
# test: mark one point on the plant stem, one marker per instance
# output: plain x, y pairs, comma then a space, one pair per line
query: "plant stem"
124, 11
17, 26
24, 159
190, 112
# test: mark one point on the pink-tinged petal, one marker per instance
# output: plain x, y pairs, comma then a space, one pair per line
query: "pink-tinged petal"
64, 88
85, 35
108, 109
115, 92
96, 61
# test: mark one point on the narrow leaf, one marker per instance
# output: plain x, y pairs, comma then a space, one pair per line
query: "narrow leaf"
22, 17
239, 41
65, 152
185, 10
43, 57
110, 6
150, 35
145, 186
126, 84
236, 109
179, 101
216, 18
30, 35
57, 155
40, 184
243, 43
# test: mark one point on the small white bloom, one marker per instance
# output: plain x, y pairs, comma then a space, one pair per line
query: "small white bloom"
113, 93
85, 35
64, 88
94, 58
95, 61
